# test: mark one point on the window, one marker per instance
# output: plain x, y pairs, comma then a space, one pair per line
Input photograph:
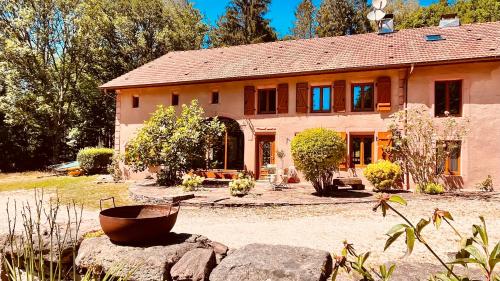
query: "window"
362, 97
433, 37
448, 98
267, 101
361, 150
135, 101
175, 99
321, 99
450, 164
215, 98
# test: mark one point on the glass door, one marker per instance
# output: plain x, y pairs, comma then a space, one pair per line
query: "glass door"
361, 150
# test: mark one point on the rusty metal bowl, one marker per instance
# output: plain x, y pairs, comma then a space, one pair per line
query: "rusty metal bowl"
138, 224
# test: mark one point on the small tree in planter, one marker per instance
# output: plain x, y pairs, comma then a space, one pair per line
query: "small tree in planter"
317, 153
421, 142
174, 143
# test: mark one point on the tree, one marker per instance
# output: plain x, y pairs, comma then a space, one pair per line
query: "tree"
305, 21
53, 56
243, 23
175, 144
421, 143
318, 154
335, 18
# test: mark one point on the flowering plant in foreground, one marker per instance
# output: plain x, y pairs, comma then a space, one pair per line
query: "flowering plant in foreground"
474, 249
191, 182
241, 185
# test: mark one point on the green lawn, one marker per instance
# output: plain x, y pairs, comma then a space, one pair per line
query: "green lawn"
83, 190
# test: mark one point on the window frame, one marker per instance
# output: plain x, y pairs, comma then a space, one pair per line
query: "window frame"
135, 101
268, 110
363, 142
321, 87
214, 97
447, 161
175, 97
447, 98
363, 109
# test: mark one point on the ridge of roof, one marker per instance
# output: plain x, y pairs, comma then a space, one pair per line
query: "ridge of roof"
292, 57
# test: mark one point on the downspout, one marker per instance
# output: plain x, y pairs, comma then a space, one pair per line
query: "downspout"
409, 71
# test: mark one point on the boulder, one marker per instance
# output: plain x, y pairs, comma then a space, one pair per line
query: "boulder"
220, 251
260, 262
142, 263
195, 265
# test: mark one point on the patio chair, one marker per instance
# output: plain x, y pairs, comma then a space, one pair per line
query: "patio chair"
280, 179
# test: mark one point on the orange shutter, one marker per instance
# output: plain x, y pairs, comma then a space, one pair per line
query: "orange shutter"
384, 140
384, 93
343, 166
339, 96
283, 98
249, 100
302, 94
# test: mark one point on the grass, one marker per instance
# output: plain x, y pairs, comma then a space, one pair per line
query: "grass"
83, 190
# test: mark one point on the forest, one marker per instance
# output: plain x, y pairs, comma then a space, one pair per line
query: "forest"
55, 53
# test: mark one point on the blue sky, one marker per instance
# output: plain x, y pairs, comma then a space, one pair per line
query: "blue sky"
280, 12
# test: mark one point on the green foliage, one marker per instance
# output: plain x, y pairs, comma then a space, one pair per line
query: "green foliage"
342, 17
351, 262
241, 185
417, 142
50, 105
304, 26
431, 188
243, 23
475, 250
95, 160
383, 174
317, 153
191, 182
175, 143
486, 185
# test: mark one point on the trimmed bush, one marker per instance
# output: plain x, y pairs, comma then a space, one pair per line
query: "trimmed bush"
318, 153
383, 174
94, 160
191, 182
431, 188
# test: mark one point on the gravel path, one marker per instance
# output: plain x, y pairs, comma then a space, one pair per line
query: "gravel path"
325, 226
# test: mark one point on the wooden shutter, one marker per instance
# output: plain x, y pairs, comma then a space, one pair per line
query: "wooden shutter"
384, 93
339, 96
283, 98
384, 140
344, 166
302, 98
249, 100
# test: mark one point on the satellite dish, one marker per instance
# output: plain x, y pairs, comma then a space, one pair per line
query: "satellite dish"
376, 15
379, 4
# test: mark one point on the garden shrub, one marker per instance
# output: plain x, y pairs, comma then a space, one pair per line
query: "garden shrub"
191, 182
431, 188
383, 174
176, 143
318, 153
114, 168
486, 185
241, 185
95, 160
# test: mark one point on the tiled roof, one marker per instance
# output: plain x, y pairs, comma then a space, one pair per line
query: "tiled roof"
318, 55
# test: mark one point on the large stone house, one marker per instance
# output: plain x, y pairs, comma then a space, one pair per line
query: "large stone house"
352, 84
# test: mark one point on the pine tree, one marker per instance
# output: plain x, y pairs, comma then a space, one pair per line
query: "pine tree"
305, 21
335, 17
243, 23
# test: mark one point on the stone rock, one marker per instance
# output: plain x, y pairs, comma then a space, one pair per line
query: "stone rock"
220, 250
195, 265
260, 262
142, 263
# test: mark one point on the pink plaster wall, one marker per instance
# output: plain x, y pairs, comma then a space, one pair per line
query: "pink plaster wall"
481, 101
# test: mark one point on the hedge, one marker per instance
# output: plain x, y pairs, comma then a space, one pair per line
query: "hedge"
94, 160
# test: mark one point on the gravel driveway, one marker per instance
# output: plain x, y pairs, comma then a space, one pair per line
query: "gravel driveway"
325, 226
